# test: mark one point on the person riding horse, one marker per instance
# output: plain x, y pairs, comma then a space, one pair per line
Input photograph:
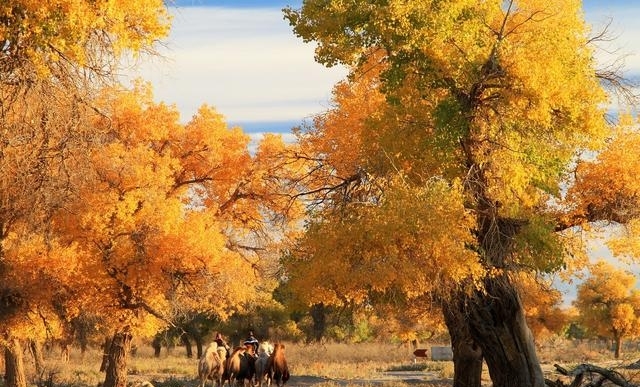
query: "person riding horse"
253, 342
223, 344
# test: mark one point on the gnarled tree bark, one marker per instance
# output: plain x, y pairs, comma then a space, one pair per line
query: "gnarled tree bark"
497, 324
117, 355
467, 355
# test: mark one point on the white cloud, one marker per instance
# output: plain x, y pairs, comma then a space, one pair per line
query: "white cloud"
247, 63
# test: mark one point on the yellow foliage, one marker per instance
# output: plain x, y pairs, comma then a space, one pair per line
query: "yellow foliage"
52, 34
491, 99
608, 304
54, 53
537, 99
165, 217
542, 305
400, 244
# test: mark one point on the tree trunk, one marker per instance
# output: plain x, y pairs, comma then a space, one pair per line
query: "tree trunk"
38, 359
498, 326
105, 354
116, 372
617, 346
319, 321
157, 345
467, 355
187, 345
14, 365
199, 346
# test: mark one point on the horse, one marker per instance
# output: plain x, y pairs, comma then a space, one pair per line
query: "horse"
211, 365
277, 368
240, 367
264, 352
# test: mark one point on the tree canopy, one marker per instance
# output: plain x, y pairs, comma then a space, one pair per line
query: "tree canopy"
609, 304
493, 102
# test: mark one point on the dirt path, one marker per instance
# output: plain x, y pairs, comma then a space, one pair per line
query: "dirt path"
408, 377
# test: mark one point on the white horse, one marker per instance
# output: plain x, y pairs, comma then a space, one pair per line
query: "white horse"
264, 352
211, 365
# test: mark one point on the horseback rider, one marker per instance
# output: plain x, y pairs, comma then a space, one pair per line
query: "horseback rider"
252, 341
221, 343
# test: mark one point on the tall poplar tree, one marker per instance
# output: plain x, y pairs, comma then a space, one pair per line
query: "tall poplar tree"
444, 189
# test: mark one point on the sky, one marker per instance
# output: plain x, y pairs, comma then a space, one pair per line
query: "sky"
241, 57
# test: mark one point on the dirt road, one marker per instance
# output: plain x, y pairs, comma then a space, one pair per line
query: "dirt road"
408, 377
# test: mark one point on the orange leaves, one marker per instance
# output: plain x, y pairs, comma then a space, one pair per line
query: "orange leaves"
210, 148
516, 83
342, 128
607, 188
542, 306
170, 217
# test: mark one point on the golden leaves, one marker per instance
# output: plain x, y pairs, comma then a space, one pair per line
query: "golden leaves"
78, 32
609, 306
157, 217
542, 305
414, 242
521, 81
606, 188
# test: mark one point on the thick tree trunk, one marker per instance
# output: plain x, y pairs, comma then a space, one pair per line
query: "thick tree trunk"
498, 326
38, 360
14, 365
467, 355
116, 371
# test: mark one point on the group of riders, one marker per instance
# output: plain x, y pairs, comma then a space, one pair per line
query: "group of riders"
244, 363
250, 342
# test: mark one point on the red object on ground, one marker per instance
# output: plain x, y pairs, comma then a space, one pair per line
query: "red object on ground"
420, 353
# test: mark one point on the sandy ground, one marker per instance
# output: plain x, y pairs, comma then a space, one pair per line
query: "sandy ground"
409, 377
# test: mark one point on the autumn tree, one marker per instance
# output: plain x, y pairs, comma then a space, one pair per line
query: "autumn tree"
606, 189
170, 217
68, 40
443, 189
609, 304
51, 55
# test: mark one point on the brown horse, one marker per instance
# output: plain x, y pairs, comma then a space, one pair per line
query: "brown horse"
240, 367
277, 369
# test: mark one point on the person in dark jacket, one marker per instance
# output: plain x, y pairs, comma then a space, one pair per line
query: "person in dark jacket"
251, 340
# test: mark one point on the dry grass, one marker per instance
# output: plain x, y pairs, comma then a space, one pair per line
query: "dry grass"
329, 365
344, 361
